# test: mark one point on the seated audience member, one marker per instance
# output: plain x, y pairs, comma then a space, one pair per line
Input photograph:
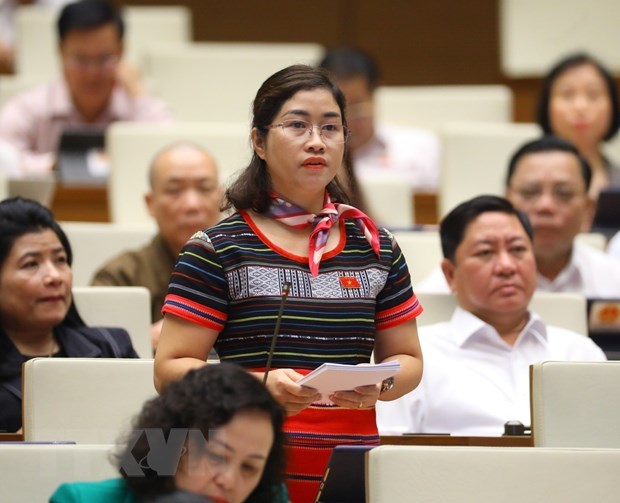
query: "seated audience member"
37, 313
476, 366
232, 451
579, 102
184, 198
94, 91
413, 154
548, 180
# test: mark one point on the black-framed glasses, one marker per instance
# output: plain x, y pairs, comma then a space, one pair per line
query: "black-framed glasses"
296, 128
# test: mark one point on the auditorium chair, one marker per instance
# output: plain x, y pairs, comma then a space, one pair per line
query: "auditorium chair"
32, 472
431, 107
446, 474
132, 146
84, 400
127, 307
575, 404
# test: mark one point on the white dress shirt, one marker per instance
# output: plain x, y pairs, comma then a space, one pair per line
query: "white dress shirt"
613, 247
409, 152
473, 381
590, 272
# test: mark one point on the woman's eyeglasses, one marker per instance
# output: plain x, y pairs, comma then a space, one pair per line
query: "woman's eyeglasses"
296, 128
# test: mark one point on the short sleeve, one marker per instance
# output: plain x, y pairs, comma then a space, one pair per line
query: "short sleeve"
198, 290
397, 303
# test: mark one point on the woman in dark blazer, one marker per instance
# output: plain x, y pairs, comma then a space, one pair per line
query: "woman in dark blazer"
37, 313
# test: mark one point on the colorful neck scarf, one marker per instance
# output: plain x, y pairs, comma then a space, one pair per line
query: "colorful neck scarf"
295, 216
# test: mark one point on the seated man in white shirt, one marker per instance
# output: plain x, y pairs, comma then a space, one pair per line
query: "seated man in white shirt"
410, 153
549, 180
476, 366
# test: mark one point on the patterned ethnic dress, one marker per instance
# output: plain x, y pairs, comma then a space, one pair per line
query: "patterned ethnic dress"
229, 278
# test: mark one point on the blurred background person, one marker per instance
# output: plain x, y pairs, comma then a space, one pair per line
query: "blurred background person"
37, 313
233, 450
184, 197
376, 148
548, 180
579, 102
94, 90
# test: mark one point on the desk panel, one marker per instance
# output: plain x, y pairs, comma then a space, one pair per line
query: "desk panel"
507, 441
425, 208
81, 203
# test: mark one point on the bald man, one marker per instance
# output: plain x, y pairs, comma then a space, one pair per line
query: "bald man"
184, 197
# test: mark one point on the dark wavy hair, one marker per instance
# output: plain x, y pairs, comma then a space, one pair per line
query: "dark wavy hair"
204, 399
252, 188
19, 216
573, 61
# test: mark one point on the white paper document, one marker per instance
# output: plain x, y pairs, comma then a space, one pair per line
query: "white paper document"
331, 377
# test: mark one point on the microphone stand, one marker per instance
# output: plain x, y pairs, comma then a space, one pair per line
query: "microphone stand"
286, 288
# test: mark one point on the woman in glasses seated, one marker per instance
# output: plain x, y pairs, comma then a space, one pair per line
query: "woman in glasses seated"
37, 313
215, 436
293, 234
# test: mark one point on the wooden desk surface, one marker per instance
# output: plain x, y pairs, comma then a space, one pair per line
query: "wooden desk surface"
81, 203
507, 441
425, 208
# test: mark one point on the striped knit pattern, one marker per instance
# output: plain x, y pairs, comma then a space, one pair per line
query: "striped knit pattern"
229, 278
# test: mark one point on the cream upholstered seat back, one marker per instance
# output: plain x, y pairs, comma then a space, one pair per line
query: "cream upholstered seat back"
85, 400
217, 81
36, 44
431, 107
389, 201
475, 159
575, 404
132, 147
422, 251
32, 472
127, 307
94, 243
446, 474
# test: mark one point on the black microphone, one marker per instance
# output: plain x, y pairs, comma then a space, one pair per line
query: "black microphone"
516, 428
286, 288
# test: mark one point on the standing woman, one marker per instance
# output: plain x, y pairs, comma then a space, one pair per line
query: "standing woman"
37, 313
579, 103
350, 287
